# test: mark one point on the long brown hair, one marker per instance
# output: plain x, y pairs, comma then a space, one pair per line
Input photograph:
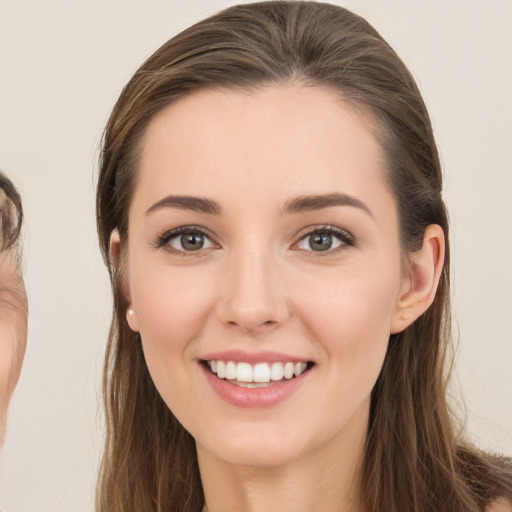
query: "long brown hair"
414, 460
11, 213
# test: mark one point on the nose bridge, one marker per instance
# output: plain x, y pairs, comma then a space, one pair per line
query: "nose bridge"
252, 293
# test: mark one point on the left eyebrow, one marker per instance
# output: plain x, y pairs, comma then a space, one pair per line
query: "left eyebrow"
196, 204
318, 202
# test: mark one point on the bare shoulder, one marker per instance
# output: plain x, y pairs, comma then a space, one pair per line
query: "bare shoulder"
499, 506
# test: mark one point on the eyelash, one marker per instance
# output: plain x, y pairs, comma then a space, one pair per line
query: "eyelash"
163, 240
346, 239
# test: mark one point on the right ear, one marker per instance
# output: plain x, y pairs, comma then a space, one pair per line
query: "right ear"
117, 261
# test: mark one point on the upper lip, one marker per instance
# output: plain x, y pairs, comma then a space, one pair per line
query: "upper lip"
264, 356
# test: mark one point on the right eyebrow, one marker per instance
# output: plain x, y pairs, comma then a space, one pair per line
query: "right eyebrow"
318, 202
196, 204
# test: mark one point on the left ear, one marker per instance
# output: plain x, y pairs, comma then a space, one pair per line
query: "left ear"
421, 281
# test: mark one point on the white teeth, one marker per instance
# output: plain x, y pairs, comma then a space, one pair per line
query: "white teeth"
299, 368
288, 370
252, 384
260, 373
230, 370
243, 372
221, 369
277, 371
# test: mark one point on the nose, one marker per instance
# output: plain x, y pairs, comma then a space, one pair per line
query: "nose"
252, 295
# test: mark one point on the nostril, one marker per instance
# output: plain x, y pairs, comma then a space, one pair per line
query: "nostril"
266, 323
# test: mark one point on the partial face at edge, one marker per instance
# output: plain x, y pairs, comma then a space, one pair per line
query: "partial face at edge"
262, 230
13, 330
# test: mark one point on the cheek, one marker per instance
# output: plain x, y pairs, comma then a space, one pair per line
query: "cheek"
350, 322
12, 348
351, 318
171, 308
5, 370
169, 304
13, 337
360, 298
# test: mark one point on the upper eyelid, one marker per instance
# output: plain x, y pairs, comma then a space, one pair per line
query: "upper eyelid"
304, 232
170, 233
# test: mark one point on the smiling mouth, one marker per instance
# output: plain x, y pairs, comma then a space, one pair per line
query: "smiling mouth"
258, 375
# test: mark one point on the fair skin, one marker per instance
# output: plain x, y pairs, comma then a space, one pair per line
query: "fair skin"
500, 506
293, 257
13, 329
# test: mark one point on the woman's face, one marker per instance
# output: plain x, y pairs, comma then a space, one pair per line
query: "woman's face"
263, 239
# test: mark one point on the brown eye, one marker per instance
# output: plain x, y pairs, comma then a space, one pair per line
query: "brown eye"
192, 241
320, 242
183, 240
325, 239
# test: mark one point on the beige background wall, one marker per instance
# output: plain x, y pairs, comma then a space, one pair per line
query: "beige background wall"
62, 65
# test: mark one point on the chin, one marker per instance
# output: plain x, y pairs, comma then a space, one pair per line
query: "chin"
251, 446
256, 455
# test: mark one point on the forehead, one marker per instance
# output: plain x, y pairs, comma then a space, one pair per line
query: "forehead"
275, 141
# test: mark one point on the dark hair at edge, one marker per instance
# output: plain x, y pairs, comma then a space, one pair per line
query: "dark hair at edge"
415, 460
11, 213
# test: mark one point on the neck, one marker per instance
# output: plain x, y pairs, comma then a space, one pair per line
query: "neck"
324, 480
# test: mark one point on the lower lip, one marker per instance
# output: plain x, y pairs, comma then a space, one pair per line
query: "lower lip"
255, 398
